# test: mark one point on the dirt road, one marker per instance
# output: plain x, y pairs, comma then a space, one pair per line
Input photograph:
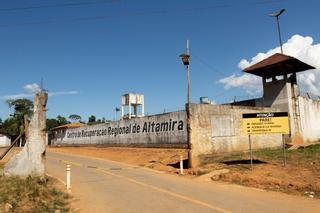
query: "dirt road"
108, 186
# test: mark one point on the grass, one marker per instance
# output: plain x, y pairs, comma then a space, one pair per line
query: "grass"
310, 153
32, 195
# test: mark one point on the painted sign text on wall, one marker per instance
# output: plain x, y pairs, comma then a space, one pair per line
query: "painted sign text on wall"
147, 127
167, 128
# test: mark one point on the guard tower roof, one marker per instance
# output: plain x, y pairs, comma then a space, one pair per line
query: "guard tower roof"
277, 64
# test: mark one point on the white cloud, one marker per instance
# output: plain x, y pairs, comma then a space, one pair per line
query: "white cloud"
63, 93
297, 46
17, 96
32, 89
251, 83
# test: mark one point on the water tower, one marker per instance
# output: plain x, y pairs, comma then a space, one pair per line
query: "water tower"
135, 101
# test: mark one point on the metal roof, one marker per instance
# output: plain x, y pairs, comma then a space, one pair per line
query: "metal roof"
277, 64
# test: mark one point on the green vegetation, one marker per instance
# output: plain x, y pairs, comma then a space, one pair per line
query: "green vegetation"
75, 118
54, 122
92, 120
31, 195
303, 154
13, 125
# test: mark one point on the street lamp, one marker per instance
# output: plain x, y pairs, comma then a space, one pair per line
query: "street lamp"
185, 57
277, 17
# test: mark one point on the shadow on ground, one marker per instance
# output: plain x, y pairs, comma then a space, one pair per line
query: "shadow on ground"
235, 162
177, 164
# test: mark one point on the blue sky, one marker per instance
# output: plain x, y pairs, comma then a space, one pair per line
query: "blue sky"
133, 46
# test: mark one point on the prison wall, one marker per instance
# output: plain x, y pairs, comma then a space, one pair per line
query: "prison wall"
163, 130
216, 129
309, 119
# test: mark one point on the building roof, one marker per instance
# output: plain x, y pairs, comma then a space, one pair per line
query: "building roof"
69, 126
277, 64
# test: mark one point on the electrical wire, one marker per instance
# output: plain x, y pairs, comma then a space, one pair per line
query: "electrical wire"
57, 5
212, 68
147, 13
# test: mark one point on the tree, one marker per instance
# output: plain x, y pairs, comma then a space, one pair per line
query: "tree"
61, 120
75, 117
54, 122
92, 119
51, 123
21, 107
14, 125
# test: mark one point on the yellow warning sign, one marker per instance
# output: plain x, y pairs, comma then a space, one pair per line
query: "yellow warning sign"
266, 123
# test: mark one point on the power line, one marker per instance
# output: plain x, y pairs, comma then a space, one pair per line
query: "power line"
208, 65
147, 13
217, 71
57, 5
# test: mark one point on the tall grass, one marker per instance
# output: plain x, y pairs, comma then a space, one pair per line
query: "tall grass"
32, 195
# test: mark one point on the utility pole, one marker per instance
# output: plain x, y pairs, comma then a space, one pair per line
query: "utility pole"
185, 57
185, 60
188, 74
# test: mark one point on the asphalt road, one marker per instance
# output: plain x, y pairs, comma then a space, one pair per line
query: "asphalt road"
107, 186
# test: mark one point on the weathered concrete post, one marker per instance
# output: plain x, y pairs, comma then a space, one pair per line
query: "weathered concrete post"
193, 142
190, 146
31, 160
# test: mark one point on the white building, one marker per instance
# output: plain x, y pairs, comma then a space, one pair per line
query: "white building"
5, 141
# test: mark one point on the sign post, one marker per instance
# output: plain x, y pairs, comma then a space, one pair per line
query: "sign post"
251, 157
284, 151
266, 123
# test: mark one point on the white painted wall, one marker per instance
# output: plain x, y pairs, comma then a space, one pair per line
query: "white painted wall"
310, 119
175, 134
4, 141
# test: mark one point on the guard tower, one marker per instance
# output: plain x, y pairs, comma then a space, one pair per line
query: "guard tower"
132, 100
280, 88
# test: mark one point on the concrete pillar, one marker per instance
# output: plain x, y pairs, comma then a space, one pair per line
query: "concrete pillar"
135, 110
142, 108
121, 111
192, 155
129, 109
31, 160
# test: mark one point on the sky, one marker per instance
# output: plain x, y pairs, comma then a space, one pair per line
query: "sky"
90, 52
